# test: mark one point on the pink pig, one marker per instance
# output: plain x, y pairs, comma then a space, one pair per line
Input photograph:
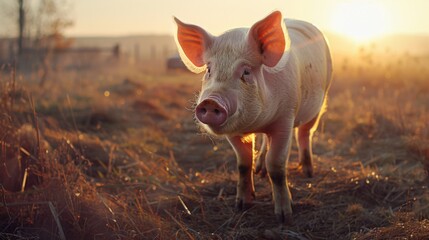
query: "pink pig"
268, 79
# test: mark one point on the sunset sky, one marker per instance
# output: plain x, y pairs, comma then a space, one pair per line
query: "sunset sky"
355, 18
114, 17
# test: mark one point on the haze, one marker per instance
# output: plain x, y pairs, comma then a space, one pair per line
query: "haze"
127, 17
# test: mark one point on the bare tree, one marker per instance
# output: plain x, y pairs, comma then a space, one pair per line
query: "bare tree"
13, 23
50, 22
21, 22
38, 26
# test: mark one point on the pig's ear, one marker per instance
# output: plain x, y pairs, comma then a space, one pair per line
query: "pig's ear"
270, 37
192, 41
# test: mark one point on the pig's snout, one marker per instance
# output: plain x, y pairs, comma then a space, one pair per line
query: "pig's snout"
212, 113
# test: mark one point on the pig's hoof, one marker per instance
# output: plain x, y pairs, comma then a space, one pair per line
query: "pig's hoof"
307, 170
240, 205
284, 218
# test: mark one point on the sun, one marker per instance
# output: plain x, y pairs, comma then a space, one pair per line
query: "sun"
360, 20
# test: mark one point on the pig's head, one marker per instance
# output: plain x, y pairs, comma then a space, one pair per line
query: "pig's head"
232, 96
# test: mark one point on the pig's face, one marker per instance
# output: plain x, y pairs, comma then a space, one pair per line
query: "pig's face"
231, 98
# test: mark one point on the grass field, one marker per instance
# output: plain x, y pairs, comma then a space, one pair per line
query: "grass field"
112, 152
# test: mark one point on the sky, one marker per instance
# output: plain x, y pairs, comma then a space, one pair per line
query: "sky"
134, 17
128, 17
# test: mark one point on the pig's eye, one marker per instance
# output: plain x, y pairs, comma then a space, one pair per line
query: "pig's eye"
245, 76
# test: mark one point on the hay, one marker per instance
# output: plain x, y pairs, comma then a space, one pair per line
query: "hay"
133, 166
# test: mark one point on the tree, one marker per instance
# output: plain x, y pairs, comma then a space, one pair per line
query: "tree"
21, 22
50, 22
37, 25
13, 21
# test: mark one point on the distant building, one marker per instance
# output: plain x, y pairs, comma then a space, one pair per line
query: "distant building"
175, 62
7, 50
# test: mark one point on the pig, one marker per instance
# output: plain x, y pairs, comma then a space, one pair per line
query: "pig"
268, 79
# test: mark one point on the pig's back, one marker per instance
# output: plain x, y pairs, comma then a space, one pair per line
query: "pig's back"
312, 59
298, 28
309, 43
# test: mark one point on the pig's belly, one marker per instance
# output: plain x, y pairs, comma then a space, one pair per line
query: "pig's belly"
309, 108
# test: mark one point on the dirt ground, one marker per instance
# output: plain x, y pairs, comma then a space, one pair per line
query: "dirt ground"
116, 154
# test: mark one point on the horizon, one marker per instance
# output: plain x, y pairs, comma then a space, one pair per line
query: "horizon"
172, 35
119, 35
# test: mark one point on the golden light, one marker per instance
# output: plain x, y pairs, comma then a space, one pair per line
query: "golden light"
250, 138
360, 20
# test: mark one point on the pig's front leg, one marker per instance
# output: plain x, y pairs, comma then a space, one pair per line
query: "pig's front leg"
277, 157
245, 188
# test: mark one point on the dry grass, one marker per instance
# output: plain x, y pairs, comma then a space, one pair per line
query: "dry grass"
115, 154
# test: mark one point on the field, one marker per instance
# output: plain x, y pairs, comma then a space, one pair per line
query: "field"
112, 152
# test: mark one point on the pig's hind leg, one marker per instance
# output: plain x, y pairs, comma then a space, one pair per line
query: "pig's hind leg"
260, 157
304, 137
245, 187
